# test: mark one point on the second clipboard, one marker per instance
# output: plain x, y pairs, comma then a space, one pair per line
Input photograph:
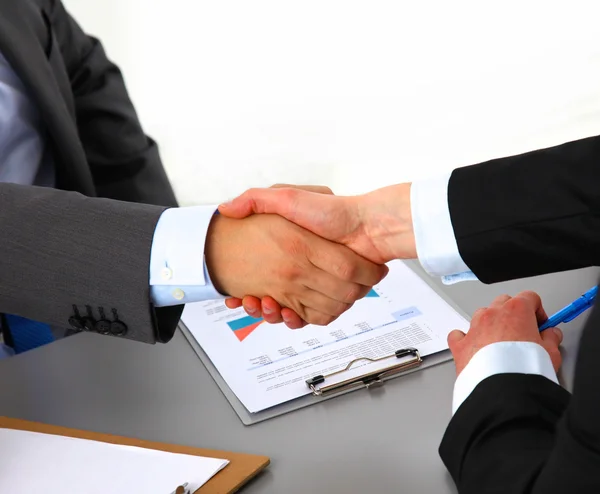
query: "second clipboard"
408, 362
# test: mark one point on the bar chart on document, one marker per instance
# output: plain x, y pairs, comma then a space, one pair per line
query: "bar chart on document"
268, 364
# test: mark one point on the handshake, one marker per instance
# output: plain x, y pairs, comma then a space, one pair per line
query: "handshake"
303, 255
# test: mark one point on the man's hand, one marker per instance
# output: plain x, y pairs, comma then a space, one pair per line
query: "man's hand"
267, 255
506, 319
377, 225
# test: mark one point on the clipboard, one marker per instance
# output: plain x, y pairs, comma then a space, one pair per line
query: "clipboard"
241, 468
404, 361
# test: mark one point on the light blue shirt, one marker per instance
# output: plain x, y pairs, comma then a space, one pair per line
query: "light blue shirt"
177, 269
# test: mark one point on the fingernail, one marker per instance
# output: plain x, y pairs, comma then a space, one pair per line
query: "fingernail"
557, 332
224, 205
267, 310
251, 311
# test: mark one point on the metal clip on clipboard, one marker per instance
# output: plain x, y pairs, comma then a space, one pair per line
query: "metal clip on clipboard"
368, 380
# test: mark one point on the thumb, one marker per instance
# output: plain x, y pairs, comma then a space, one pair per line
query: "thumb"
255, 201
319, 189
454, 338
552, 336
551, 339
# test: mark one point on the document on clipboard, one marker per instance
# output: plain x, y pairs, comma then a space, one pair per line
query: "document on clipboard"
399, 323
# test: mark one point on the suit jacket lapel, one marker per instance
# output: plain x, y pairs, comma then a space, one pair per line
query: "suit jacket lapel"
23, 36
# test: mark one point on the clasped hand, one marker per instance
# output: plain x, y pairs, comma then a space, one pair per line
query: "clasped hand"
299, 275
376, 226
351, 238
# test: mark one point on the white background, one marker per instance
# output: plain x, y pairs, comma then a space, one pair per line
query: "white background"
352, 94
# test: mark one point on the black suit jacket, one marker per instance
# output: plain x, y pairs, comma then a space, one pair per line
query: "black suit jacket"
514, 217
68, 253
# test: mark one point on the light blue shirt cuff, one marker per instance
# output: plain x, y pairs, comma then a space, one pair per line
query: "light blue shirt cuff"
178, 272
451, 279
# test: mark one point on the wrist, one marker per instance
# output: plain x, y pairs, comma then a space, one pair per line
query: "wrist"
385, 215
215, 254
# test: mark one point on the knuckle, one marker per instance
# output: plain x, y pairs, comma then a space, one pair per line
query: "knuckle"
487, 316
340, 308
478, 314
295, 246
516, 304
529, 293
288, 194
289, 272
299, 309
346, 270
320, 319
355, 292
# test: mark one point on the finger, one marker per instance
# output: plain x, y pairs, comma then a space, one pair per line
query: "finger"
552, 336
500, 300
233, 303
344, 264
252, 306
306, 209
319, 189
551, 340
312, 316
454, 338
332, 287
256, 201
271, 310
536, 304
477, 314
291, 319
322, 303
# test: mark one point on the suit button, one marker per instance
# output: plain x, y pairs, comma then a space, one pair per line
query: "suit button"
89, 323
75, 322
118, 328
103, 326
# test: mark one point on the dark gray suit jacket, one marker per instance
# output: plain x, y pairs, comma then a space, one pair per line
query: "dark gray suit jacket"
79, 256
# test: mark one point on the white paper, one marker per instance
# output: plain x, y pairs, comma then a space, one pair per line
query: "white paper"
268, 364
32, 462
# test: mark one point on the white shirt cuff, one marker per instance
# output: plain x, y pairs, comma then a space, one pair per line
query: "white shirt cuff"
434, 235
178, 273
520, 357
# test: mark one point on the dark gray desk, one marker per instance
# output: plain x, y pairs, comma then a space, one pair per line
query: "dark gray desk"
383, 441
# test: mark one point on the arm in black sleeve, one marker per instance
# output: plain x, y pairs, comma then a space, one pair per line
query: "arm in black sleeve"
523, 434
529, 214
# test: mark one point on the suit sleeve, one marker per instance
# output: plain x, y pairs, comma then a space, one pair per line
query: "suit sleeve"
124, 162
524, 434
529, 214
65, 255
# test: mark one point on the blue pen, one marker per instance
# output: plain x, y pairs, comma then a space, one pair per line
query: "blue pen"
572, 310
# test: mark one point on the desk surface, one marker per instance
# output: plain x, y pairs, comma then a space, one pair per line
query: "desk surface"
383, 441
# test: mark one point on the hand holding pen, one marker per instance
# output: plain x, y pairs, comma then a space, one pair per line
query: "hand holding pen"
571, 311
